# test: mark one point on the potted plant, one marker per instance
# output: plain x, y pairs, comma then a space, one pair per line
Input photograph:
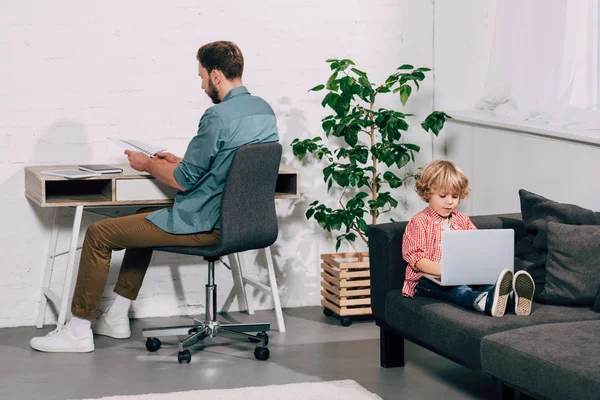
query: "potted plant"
366, 164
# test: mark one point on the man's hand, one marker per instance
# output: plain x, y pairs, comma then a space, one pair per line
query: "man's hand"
166, 158
138, 160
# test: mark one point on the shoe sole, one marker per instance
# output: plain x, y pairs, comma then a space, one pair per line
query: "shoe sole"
67, 350
501, 292
113, 335
524, 288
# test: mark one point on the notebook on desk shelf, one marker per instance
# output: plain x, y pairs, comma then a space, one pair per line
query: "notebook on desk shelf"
101, 169
70, 173
136, 145
475, 257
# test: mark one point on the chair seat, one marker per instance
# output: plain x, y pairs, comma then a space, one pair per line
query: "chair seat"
205, 251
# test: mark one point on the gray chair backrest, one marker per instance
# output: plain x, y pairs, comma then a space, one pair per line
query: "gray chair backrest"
248, 217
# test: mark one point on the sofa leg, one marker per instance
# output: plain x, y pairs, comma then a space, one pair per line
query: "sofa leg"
508, 393
391, 349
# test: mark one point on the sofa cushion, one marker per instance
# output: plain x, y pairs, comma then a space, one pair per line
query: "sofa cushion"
457, 332
537, 211
558, 361
572, 269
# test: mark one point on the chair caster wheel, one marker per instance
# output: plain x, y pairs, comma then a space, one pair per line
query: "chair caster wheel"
260, 335
193, 331
346, 321
261, 353
184, 356
327, 312
153, 344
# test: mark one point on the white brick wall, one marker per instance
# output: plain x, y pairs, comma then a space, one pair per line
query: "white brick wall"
73, 73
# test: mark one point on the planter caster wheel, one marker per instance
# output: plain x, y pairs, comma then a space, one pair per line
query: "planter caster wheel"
260, 335
152, 344
346, 321
184, 356
261, 353
327, 312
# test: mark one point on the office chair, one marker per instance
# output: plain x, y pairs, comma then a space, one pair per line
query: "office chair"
248, 221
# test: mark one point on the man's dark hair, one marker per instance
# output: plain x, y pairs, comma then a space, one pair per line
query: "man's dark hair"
224, 56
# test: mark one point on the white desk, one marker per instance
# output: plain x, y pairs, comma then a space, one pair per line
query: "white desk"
128, 188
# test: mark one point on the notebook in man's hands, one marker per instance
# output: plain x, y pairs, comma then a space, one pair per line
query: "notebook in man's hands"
136, 145
475, 257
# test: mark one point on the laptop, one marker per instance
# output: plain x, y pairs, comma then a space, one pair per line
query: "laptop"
475, 257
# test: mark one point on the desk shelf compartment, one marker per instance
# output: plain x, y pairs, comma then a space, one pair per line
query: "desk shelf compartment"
79, 190
345, 285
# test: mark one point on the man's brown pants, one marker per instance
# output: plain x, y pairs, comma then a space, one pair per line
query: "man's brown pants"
135, 234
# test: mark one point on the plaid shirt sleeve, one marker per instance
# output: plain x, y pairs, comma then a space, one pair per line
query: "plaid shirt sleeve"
413, 243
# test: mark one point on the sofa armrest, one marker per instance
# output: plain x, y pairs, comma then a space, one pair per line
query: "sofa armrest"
385, 253
386, 262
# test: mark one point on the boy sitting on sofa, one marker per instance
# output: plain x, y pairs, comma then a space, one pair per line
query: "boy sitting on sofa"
443, 185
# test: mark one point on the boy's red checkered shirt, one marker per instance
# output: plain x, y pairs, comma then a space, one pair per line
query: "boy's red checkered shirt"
423, 239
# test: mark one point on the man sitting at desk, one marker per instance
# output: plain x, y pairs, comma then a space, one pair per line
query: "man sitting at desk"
236, 119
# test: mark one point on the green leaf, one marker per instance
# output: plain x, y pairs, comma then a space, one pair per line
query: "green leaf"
405, 91
351, 138
359, 72
317, 88
364, 82
405, 66
332, 83
362, 225
309, 213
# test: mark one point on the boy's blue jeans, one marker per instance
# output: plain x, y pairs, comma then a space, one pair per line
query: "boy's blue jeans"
465, 296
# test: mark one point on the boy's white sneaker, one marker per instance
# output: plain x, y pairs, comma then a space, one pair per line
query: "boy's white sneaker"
118, 329
497, 298
64, 340
523, 288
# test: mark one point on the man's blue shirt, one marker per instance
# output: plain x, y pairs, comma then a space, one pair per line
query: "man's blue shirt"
238, 120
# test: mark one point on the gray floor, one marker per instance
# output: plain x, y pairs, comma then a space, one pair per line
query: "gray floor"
315, 348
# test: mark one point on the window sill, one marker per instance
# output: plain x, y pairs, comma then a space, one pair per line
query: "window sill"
487, 119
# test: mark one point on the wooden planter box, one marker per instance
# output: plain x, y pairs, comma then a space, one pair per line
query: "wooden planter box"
346, 285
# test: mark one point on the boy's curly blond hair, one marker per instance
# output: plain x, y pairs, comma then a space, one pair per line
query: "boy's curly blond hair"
442, 176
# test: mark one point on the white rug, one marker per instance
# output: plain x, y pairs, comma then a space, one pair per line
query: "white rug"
346, 389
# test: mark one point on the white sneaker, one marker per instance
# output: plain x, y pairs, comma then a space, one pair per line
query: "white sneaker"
523, 288
118, 329
63, 340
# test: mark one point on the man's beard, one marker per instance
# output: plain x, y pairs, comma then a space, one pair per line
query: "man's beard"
213, 93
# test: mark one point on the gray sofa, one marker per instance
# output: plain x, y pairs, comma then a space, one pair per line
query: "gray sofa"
552, 353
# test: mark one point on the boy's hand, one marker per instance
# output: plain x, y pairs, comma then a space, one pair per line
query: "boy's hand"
166, 158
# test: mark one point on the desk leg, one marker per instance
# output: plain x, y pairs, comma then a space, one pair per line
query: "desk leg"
48, 272
65, 298
239, 287
274, 290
